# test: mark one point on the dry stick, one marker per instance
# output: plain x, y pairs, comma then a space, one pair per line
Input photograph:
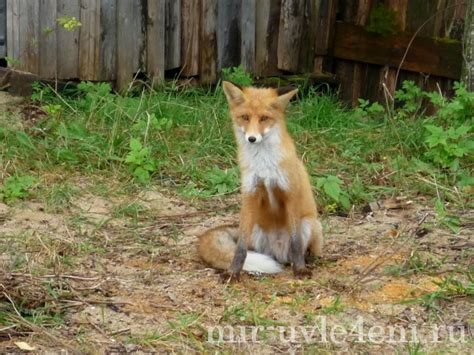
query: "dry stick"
382, 258
190, 214
73, 277
36, 328
418, 31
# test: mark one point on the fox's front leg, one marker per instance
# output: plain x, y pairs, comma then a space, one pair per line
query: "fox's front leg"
239, 259
297, 253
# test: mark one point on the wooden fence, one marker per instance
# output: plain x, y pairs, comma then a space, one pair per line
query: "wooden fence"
117, 39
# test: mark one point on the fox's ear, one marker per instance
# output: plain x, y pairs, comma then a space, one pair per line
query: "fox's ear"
285, 95
234, 94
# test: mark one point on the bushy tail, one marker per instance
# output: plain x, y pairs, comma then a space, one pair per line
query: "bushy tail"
217, 247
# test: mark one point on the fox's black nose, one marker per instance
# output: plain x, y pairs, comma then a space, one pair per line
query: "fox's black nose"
252, 139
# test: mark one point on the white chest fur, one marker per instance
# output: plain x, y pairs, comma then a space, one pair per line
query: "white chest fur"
261, 163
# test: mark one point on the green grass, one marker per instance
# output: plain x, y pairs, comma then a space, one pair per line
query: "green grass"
183, 140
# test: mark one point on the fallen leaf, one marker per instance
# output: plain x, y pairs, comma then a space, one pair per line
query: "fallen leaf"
24, 346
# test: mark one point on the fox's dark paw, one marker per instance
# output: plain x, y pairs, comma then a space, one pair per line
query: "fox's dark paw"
230, 277
303, 273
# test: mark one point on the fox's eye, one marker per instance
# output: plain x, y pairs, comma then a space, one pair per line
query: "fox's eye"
245, 117
263, 118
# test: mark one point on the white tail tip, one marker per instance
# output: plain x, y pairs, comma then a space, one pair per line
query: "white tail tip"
261, 263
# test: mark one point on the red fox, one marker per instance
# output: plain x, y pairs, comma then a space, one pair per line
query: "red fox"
278, 218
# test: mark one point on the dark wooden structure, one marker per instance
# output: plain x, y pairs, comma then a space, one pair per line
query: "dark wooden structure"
118, 39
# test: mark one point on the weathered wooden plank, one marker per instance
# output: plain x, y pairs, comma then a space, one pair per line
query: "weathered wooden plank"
400, 9
418, 12
29, 36
3, 29
289, 37
173, 34
228, 33
425, 55
13, 31
266, 37
468, 70
351, 74
48, 42
208, 42
108, 39
130, 44
324, 28
89, 40
388, 76
248, 35
190, 37
156, 41
308, 37
68, 41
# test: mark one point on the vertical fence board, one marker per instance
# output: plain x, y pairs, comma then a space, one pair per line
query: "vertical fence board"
13, 30
266, 37
324, 28
48, 42
308, 38
130, 42
228, 33
289, 37
29, 36
208, 42
248, 35
190, 37
351, 75
173, 34
388, 76
418, 12
3, 28
68, 41
156, 40
108, 39
89, 40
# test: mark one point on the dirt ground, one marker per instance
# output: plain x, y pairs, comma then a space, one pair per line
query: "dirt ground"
117, 271
125, 285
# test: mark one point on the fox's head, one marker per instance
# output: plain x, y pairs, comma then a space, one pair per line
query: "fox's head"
256, 113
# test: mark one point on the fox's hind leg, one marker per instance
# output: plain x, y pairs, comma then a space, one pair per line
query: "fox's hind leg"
317, 239
312, 232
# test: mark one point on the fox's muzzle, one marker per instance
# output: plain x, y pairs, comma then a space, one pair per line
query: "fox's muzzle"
253, 138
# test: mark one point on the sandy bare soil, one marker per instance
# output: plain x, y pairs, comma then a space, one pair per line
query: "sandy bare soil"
125, 284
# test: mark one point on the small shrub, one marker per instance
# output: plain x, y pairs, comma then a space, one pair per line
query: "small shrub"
140, 161
237, 75
16, 187
331, 187
366, 109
